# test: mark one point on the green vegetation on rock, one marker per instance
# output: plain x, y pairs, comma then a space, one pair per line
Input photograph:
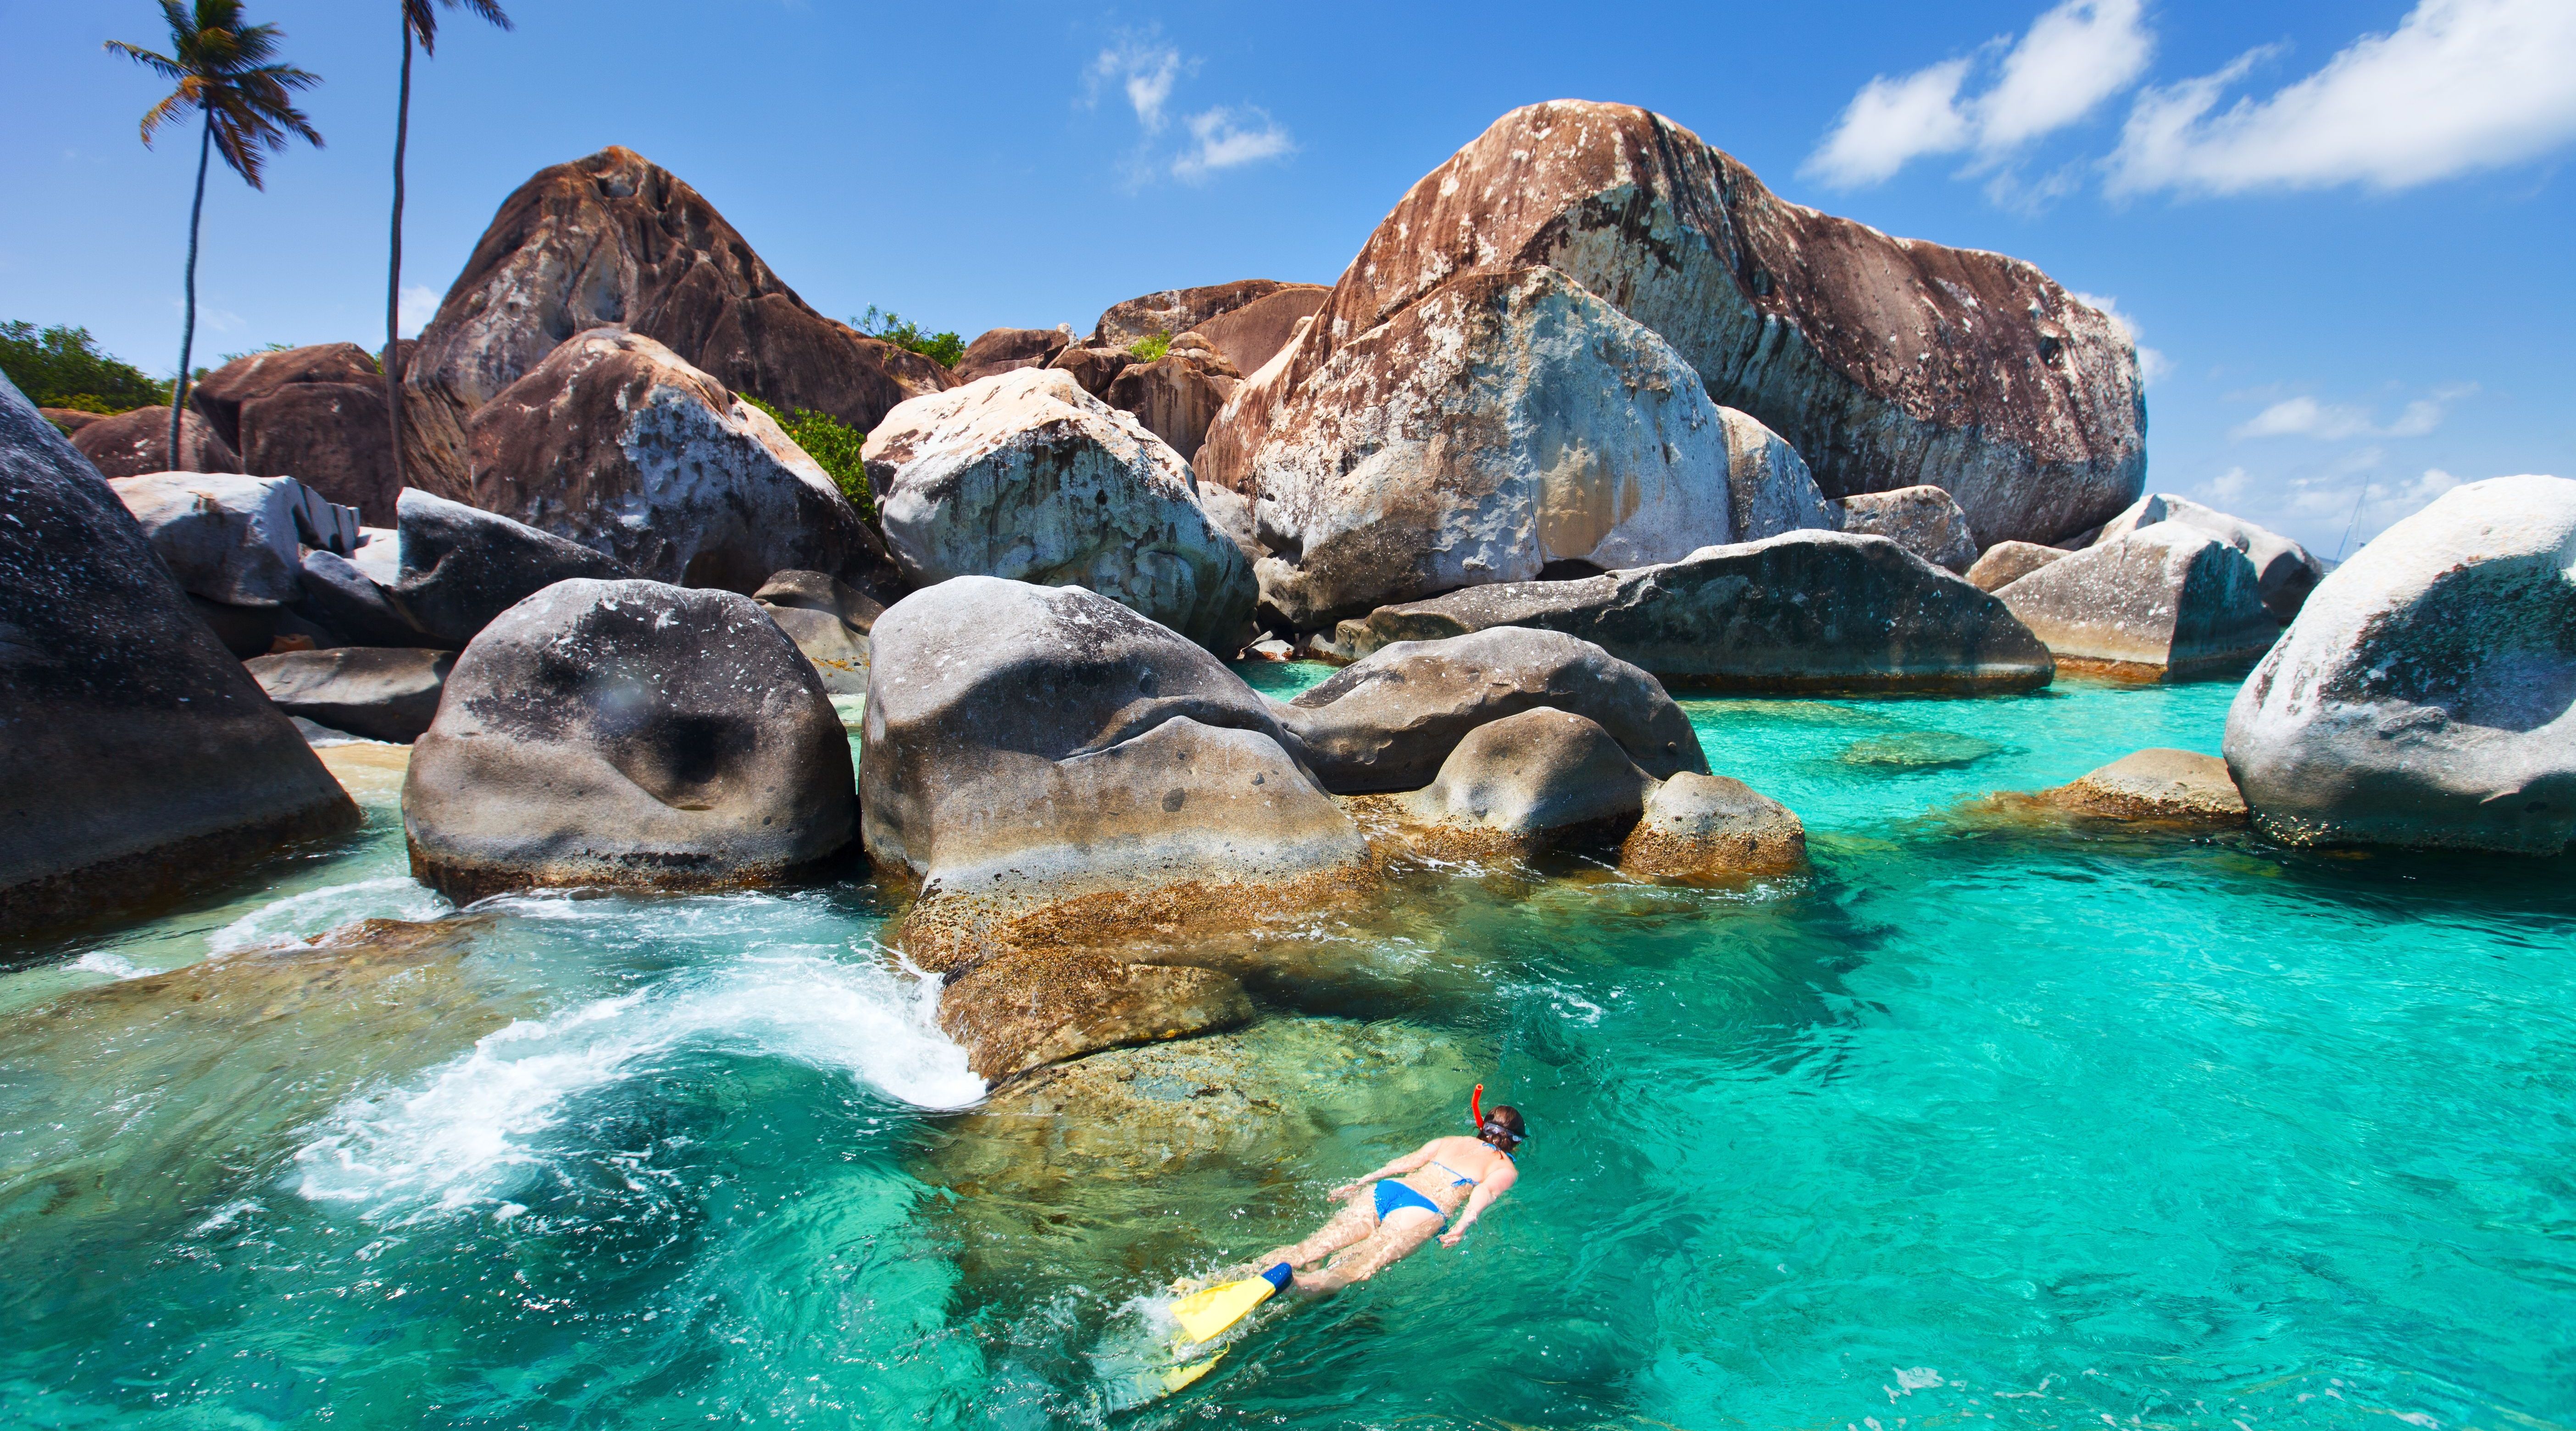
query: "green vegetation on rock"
63, 367
945, 349
1151, 346
833, 444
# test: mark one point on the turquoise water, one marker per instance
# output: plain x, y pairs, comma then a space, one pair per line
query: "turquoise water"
1982, 1122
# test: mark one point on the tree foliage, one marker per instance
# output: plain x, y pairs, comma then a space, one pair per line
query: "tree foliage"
230, 73
945, 349
63, 367
1151, 346
833, 444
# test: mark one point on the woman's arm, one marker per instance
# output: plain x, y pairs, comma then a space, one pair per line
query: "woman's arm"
1394, 1169
1483, 1197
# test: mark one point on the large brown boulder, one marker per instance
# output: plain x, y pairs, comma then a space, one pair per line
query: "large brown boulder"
1923, 520
627, 733
1175, 311
1177, 395
133, 443
316, 414
1250, 336
613, 239
136, 755
1528, 781
1713, 828
616, 443
1804, 611
1004, 350
1887, 362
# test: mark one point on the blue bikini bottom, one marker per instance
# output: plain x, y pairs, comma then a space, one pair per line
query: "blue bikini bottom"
1393, 1194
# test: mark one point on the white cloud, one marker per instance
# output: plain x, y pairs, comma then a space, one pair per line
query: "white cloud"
2458, 85
2229, 485
2307, 417
1892, 121
1145, 69
1225, 137
2152, 364
2073, 57
419, 305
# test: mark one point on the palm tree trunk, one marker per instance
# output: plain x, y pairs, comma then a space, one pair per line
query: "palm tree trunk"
393, 280
188, 330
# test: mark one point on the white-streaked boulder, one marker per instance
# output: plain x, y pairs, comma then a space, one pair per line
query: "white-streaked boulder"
2286, 571
2167, 600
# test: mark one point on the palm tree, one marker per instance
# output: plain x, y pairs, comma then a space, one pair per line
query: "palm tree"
226, 70
419, 22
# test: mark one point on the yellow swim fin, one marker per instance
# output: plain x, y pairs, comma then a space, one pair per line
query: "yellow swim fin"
1204, 1314
1181, 1376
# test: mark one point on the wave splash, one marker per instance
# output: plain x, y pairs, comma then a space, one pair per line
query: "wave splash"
474, 1130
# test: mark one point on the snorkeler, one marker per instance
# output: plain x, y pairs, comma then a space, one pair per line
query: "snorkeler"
1391, 1213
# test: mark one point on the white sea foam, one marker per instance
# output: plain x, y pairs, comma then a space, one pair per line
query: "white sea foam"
316, 911
115, 966
475, 1130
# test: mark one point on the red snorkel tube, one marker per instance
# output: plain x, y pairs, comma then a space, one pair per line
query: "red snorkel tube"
1476, 1108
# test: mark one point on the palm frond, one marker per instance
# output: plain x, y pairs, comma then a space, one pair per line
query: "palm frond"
230, 72
422, 17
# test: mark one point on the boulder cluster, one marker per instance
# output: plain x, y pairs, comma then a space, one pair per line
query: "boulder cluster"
1592, 417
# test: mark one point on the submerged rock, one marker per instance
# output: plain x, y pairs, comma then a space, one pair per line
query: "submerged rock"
1919, 750
1508, 424
2155, 784
2166, 601
1703, 828
627, 733
614, 240
1805, 611
615, 443
1532, 780
1886, 362
2007, 562
1923, 520
136, 755
2426, 694
1022, 1011
1389, 721
382, 693
1028, 478
2282, 568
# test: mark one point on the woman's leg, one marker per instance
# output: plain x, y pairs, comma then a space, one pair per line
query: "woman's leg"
1403, 1231
1356, 1220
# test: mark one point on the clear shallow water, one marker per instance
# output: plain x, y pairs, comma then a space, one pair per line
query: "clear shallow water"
1980, 1122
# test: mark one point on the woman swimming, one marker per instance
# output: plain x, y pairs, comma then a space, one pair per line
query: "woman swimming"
1389, 1214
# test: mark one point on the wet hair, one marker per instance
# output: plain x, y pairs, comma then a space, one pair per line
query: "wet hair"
1502, 1127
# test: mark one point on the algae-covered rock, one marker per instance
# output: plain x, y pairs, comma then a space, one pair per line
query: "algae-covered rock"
1701, 828
2155, 784
1019, 1011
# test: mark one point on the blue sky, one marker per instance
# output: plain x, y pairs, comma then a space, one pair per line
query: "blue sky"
2342, 230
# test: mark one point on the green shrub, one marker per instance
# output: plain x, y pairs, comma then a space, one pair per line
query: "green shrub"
62, 367
1151, 346
941, 348
833, 444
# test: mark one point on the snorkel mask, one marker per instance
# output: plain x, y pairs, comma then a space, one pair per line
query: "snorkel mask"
1491, 1129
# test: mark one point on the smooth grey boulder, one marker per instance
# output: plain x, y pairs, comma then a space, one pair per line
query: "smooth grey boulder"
136, 755
1768, 487
2004, 563
617, 444
1387, 722
1924, 520
828, 619
1026, 744
1027, 477
2284, 569
1805, 611
2166, 601
1700, 828
2426, 694
1510, 425
234, 539
459, 567
628, 734
383, 693
1535, 778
